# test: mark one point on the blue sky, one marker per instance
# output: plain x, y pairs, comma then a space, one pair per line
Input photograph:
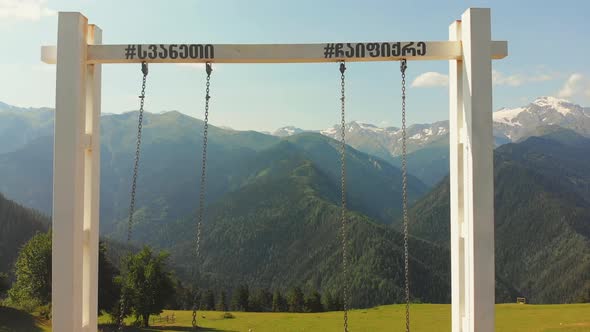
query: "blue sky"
548, 55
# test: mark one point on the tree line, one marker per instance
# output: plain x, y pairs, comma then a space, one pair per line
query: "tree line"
260, 300
148, 286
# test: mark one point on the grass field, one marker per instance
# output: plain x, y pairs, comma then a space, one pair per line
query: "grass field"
425, 318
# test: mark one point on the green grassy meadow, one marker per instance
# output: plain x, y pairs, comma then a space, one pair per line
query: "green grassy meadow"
425, 318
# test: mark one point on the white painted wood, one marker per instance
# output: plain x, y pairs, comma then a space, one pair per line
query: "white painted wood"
68, 173
92, 187
478, 182
269, 53
456, 131
49, 54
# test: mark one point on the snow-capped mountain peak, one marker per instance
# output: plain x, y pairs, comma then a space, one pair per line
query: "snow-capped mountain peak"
561, 105
368, 126
329, 131
356, 127
386, 140
510, 124
515, 123
287, 131
508, 115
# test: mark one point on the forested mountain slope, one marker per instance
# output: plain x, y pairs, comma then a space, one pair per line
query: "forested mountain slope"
17, 225
282, 229
542, 216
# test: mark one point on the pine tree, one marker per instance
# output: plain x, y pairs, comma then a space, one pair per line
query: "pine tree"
4, 284
241, 298
278, 302
266, 296
296, 300
108, 291
261, 301
331, 302
209, 300
313, 303
222, 304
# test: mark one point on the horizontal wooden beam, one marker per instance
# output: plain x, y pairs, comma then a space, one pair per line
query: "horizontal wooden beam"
275, 53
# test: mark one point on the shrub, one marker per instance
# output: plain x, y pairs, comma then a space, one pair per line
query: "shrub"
228, 315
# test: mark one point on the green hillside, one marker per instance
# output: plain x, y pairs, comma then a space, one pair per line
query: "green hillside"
294, 183
17, 225
374, 185
424, 318
170, 168
282, 230
18, 126
542, 217
266, 194
430, 164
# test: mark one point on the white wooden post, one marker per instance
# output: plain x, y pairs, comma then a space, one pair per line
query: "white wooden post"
456, 184
92, 186
76, 178
471, 178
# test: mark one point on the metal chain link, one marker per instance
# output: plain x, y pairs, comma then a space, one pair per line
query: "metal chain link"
144, 70
403, 67
343, 222
209, 70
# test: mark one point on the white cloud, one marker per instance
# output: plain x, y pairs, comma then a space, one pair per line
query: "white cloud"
24, 10
499, 78
434, 79
574, 85
576, 88
430, 79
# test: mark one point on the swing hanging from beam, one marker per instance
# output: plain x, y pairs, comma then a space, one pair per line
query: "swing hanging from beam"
79, 55
343, 219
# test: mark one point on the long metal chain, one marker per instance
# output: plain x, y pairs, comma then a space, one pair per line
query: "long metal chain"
209, 70
403, 67
144, 70
343, 222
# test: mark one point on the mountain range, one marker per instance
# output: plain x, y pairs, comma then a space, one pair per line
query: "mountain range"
273, 205
281, 229
510, 125
172, 145
272, 216
428, 143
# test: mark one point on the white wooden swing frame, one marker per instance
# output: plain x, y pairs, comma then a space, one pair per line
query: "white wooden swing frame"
76, 179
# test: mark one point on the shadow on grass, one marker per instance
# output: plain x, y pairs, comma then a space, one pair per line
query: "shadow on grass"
14, 320
113, 328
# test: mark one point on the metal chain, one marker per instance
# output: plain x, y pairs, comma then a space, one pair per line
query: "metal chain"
144, 70
403, 67
343, 222
209, 70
